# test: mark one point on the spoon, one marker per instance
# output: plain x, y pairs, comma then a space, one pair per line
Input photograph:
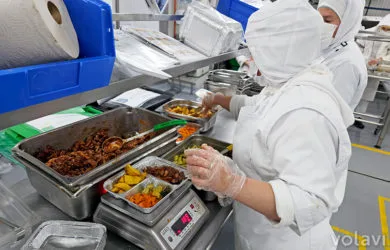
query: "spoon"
114, 143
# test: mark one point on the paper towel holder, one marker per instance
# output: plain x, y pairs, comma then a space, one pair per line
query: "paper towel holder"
54, 12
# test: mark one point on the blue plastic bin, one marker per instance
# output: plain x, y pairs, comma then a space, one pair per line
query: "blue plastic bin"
237, 10
25, 86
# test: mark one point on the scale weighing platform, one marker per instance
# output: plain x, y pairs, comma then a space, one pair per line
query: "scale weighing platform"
170, 226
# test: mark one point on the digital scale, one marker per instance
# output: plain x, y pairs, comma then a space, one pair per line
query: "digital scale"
170, 226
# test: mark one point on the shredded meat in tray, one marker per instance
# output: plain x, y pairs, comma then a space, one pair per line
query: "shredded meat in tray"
84, 155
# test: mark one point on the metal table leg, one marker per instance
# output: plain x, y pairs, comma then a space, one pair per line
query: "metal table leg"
385, 127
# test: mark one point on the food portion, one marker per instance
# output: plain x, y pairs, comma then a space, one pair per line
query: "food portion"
186, 132
149, 196
85, 154
166, 173
190, 111
131, 178
180, 159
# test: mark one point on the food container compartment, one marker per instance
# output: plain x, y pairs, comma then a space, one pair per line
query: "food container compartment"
82, 203
16, 220
197, 140
138, 189
109, 184
206, 123
67, 235
121, 121
156, 161
192, 124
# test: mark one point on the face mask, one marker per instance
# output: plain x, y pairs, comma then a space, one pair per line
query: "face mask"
327, 32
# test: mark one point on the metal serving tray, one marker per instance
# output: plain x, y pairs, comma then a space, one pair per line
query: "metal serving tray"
67, 235
197, 140
138, 189
206, 124
143, 164
82, 203
147, 219
121, 121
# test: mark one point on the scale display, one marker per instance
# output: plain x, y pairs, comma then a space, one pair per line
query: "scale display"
181, 225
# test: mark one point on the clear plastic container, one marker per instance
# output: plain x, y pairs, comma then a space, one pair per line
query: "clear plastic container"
16, 220
67, 235
208, 31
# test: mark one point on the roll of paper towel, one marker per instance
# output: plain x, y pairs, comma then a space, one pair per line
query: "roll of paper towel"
35, 32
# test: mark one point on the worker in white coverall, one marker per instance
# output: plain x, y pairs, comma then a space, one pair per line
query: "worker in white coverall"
291, 146
375, 53
343, 56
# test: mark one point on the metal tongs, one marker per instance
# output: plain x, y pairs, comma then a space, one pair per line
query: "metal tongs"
19, 231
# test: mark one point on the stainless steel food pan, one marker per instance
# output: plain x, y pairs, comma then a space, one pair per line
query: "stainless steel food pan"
121, 121
82, 203
197, 140
206, 123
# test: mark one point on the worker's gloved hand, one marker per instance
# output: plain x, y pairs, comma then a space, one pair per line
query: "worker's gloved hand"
211, 171
208, 102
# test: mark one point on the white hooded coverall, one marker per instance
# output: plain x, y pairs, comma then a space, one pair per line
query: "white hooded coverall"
374, 50
293, 135
346, 62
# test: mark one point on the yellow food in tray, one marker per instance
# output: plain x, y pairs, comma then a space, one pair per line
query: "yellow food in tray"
131, 178
189, 111
180, 159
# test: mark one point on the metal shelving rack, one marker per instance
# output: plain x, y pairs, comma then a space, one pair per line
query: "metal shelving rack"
39, 110
381, 121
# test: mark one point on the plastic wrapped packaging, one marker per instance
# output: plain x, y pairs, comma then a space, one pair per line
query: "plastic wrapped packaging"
134, 57
166, 44
16, 220
208, 31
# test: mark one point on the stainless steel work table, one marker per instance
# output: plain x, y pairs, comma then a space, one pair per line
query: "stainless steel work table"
18, 182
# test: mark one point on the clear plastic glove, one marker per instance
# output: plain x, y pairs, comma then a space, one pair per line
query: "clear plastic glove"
208, 102
211, 171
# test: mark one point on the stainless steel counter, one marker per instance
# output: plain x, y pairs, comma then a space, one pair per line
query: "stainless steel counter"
18, 182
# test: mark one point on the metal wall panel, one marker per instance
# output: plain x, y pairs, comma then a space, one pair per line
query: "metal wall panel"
385, 4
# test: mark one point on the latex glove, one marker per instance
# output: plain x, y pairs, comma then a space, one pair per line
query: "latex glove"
211, 171
208, 102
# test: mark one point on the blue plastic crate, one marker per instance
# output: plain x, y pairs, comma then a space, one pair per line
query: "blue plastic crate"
237, 10
25, 86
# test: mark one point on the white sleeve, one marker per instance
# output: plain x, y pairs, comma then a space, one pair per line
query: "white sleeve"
239, 101
348, 84
303, 146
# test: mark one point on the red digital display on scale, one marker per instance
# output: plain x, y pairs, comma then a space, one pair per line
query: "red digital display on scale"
181, 223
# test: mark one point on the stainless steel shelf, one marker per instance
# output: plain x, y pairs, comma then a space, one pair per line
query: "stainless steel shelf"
36, 111
145, 17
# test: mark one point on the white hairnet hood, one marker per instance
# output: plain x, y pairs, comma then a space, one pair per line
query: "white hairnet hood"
284, 38
351, 18
337, 6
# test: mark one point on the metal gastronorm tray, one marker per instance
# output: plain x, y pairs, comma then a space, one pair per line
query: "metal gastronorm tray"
206, 123
121, 121
197, 140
